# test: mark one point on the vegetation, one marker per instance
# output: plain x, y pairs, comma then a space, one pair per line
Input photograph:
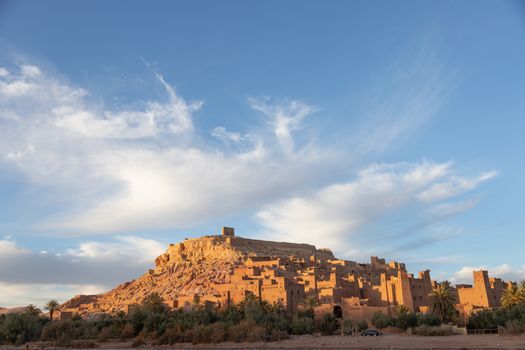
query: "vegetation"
328, 324
32, 310
380, 320
443, 302
51, 306
510, 318
404, 319
249, 321
515, 295
433, 330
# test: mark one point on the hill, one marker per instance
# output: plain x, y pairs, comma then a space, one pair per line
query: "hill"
197, 266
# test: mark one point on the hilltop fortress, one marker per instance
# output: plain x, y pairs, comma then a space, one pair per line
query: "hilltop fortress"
224, 270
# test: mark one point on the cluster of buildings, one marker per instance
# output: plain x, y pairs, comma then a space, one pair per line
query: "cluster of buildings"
354, 289
225, 270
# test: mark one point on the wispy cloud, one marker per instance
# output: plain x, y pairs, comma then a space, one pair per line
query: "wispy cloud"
403, 97
146, 166
338, 215
138, 168
285, 118
454, 187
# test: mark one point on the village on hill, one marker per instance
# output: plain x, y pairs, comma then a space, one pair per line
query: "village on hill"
226, 288
223, 270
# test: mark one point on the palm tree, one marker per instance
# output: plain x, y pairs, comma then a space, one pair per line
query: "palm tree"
309, 302
120, 317
443, 302
513, 295
32, 310
522, 292
153, 302
52, 306
402, 309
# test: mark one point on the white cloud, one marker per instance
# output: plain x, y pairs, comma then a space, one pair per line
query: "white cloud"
504, 271
221, 133
142, 250
36, 277
3, 72
454, 187
122, 258
285, 118
144, 168
406, 95
444, 210
19, 154
30, 71
17, 295
9, 247
335, 215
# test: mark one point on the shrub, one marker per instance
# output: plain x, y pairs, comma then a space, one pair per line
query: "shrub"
256, 333
128, 331
109, 332
380, 320
428, 320
199, 334
362, 325
71, 329
514, 327
348, 326
442, 330
278, 335
63, 341
239, 332
484, 319
172, 335
302, 325
405, 320
19, 328
328, 324
219, 332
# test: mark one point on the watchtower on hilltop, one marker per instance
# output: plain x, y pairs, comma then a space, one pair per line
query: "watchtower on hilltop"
228, 232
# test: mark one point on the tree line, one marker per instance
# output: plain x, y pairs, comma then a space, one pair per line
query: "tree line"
251, 320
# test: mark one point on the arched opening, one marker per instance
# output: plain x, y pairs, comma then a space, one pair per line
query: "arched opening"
338, 312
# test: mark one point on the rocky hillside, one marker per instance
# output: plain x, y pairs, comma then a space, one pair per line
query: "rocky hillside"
188, 268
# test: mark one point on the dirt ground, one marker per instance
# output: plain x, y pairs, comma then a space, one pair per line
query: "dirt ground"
389, 341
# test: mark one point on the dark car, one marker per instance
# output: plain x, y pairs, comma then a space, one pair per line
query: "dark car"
371, 333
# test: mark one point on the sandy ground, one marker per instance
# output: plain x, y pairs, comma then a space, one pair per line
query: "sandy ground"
390, 341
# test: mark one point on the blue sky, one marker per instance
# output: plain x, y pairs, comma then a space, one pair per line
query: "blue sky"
373, 128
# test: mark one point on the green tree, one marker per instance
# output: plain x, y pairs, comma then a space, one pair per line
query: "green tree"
380, 320
522, 292
52, 306
513, 295
401, 309
405, 320
309, 302
153, 303
17, 328
443, 302
120, 319
32, 310
328, 325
